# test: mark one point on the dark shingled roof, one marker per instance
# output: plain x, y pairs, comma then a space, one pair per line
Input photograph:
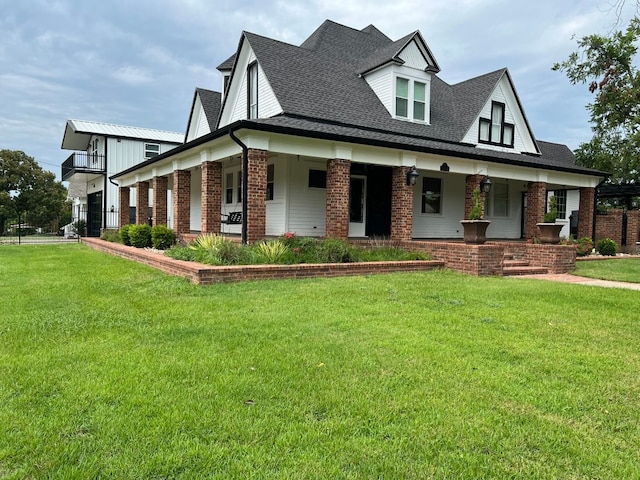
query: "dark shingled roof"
211, 103
227, 65
320, 88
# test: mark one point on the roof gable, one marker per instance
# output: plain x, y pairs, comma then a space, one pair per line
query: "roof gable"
205, 110
410, 50
503, 91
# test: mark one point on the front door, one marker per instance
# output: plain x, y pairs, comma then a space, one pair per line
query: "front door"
357, 206
94, 214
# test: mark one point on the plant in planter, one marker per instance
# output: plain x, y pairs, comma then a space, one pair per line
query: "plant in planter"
549, 229
475, 227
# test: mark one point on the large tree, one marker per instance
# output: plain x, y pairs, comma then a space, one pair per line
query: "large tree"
608, 65
27, 189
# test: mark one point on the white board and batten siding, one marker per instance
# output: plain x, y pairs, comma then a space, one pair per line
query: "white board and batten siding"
306, 206
199, 124
235, 107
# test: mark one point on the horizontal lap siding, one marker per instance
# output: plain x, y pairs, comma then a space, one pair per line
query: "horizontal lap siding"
446, 224
307, 206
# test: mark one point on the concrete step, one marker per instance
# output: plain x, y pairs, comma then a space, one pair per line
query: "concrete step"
523, 270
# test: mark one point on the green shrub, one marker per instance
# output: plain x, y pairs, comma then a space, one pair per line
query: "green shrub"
80, 227
552, 214
162, 237
607, 247
124, 234
111, 236
334, 250
391, 254
584, 246
140, 235
476, 205
178, 252
233, 253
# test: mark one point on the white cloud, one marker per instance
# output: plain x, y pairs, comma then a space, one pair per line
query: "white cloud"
132, 75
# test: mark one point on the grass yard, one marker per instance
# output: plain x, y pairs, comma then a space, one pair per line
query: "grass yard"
112, 369
619, 270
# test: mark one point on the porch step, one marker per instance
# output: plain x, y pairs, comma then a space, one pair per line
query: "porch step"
523, 270
513, 267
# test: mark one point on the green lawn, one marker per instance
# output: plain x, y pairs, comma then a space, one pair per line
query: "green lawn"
112, 369
620, 270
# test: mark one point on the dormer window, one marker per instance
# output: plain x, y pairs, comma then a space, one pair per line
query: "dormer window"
252, 90
495, 130
410, 99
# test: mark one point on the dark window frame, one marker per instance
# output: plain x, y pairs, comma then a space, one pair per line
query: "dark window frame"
489, 122
271, 174
434, 195
317, 178
561, 203
229, 188
252, 84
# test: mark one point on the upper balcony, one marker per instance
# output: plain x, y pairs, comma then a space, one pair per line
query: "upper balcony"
83, 166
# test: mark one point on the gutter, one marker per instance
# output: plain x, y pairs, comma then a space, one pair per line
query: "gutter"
245, 182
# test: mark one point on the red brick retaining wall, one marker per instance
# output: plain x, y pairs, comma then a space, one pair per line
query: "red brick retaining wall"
482, 260
207, 274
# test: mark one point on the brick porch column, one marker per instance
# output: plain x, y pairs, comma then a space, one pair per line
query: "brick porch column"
211, 196
585, 212
181, 201
401, 205
338, 183
536, 204
471, 183
142, 202
124, 198
160, 200
257, 195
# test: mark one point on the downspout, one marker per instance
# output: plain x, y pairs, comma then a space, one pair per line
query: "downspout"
245, 183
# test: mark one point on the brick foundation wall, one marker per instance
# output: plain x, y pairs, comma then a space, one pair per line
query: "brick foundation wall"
536, 204
207, 274
142, 202
211, 196
181, 201
160, 185
338, 184
257, 195
124, 199
401, 205
585, 212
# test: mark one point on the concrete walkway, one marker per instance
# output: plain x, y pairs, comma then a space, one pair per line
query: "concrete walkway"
568, 278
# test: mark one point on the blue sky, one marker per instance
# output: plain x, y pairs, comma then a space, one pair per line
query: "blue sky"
137, 62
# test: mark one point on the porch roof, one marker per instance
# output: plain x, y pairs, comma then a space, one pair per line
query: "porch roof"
553, 156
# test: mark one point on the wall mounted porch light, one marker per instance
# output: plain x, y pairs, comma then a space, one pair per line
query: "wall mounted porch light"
485, 185
412, 176
444, 167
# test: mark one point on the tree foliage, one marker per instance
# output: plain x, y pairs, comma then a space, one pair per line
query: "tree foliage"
607, 65
27, 189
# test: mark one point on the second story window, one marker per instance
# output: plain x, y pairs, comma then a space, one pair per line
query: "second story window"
252, 91
411, 99
402, 97
151, 150
495, 130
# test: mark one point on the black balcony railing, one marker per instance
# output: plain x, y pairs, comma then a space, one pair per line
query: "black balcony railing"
82, 162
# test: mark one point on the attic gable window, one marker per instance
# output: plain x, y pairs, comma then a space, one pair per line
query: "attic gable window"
252, 90
495, 130
410, 99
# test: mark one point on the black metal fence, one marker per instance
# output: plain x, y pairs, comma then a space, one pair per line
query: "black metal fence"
23, 230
